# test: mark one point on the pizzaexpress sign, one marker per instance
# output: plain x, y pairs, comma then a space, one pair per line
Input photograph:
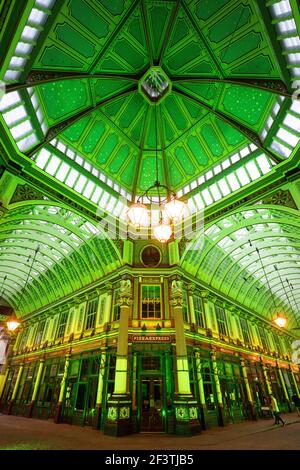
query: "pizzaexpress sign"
151, 339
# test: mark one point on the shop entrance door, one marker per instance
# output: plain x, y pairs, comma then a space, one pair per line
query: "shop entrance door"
151, 403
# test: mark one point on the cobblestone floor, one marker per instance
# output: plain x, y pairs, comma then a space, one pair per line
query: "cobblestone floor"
17, 433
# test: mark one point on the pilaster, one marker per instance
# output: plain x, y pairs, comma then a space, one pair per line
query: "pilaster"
16, 387
249, 391
295, 383
268, 383
57, 418
186, 410
202, 404
36, 386
285, 392
220, 407
99, 397
118, 421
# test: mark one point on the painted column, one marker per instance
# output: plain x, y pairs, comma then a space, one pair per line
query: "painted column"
3, 379
181, 352
220, 407
6, 366
285, 392
295, 383
169, 394
133, 394
57, 418
99, 398
134, 380
16, 387
118, 421
186, 412
202, 404
125, 301
36, 386
265, 372
248, 390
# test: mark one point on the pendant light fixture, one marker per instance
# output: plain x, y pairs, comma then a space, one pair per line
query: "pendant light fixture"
170, 207
138, 215
162, 232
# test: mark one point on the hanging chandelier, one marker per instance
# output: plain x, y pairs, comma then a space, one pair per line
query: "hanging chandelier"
171, 208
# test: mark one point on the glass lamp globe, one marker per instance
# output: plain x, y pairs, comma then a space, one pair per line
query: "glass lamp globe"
175, 209
12, 325
138, 215
162, 232
280, 321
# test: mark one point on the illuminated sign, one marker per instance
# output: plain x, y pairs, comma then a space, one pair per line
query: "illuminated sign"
151, 339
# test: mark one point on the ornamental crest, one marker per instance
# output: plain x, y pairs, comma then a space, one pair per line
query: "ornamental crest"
182, 413
112, 413
124, 412
193, 412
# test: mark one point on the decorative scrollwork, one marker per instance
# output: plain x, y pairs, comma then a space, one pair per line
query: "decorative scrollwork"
24, 192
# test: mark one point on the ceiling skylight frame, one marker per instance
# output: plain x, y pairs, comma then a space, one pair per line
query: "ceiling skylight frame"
52, 161
28, 37
80, 160
290, 43
260, 164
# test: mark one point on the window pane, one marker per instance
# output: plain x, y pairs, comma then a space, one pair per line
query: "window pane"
151, 303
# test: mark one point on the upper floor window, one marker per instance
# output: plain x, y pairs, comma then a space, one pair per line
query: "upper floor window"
245, 330
263, 337
24, 338
277, 343
116, 307
92, 308
288, 345
62, 323
151, 301
39, 332
221, 320
199, 311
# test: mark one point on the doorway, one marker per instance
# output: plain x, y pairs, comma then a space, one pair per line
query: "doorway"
151, 403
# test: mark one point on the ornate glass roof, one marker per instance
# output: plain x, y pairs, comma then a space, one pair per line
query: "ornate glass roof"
48, 251
253, 256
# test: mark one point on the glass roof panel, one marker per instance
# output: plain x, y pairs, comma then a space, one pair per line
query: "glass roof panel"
60, 236
204, 126
231, 260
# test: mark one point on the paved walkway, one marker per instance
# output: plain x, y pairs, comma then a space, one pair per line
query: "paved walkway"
18, 433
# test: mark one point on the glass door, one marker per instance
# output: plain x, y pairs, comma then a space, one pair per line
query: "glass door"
151, 405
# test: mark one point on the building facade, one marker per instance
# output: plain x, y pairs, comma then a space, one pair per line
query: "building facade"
148, 349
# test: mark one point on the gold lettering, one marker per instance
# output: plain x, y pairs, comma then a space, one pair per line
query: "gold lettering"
148, 300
